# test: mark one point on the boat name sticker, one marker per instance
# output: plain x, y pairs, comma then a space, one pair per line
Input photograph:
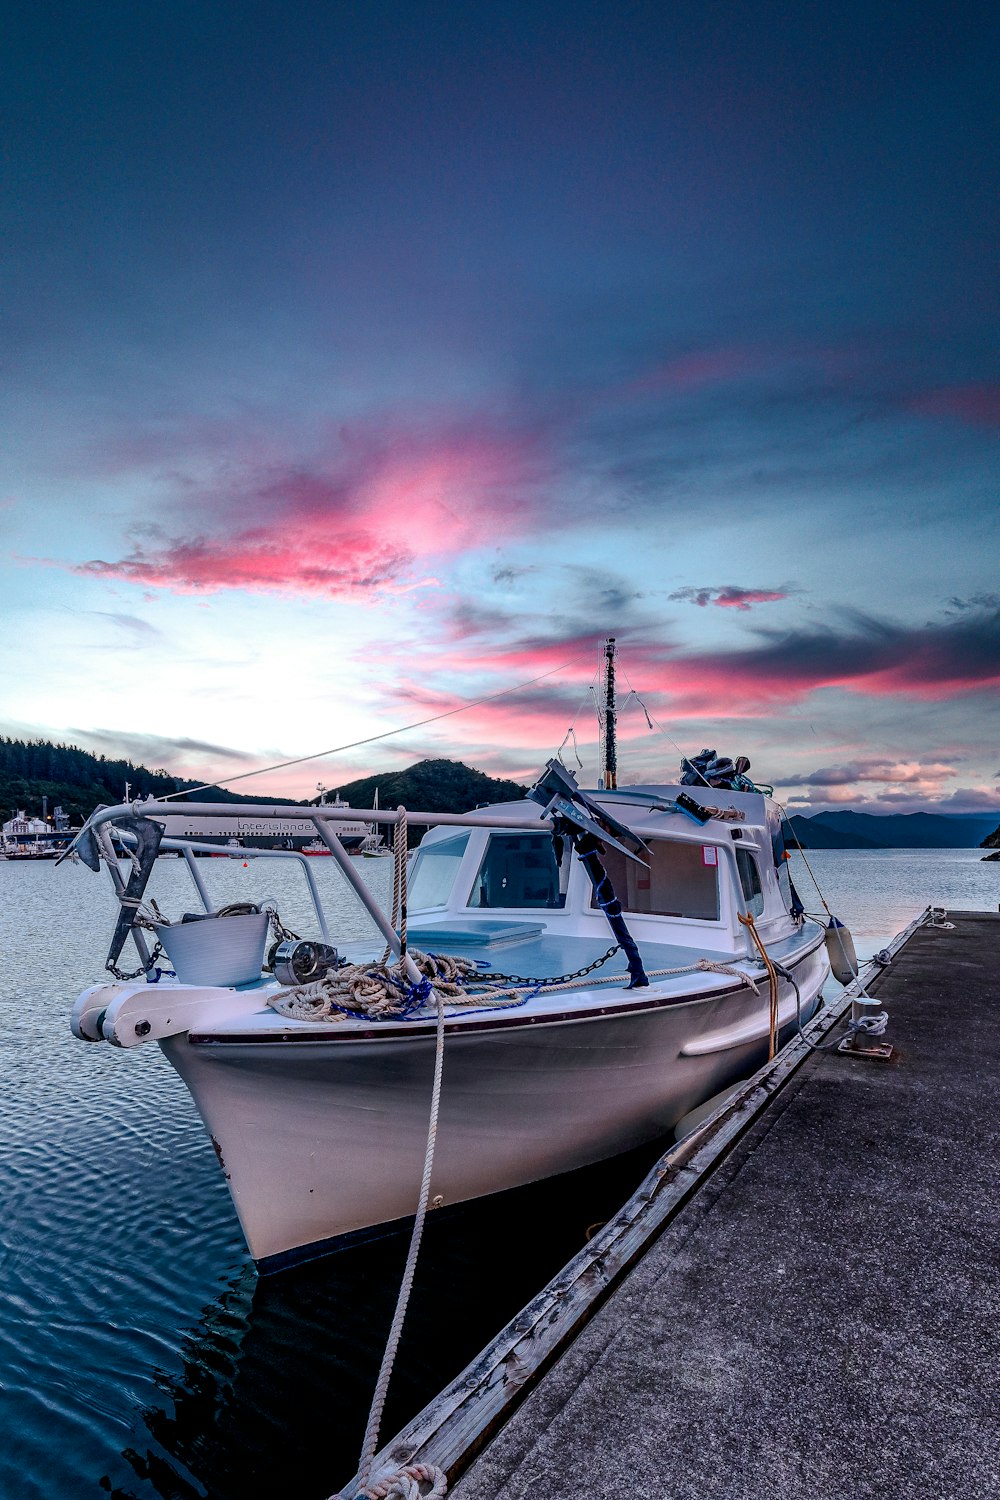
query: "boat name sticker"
709, 854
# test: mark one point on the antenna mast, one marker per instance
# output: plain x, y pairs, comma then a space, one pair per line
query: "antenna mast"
609, 717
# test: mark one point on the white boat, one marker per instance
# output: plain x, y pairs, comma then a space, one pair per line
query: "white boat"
373, 845
195, 820
320, 1124
30, 838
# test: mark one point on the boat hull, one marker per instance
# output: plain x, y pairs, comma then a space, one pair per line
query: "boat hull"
321, 1137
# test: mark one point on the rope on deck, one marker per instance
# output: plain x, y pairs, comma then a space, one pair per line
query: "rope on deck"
382, 992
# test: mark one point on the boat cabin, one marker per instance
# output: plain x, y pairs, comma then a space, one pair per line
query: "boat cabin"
690, 888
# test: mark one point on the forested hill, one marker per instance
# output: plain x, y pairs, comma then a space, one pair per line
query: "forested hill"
432, 786
844, 829
79, 781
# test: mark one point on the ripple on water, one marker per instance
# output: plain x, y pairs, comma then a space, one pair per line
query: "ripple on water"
139, 1355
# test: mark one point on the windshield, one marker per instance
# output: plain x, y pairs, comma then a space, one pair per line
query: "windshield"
435, 867
518, 870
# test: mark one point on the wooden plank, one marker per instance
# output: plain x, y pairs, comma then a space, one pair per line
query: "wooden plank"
453, 1427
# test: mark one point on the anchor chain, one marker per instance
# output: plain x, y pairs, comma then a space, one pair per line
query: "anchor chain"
525, 979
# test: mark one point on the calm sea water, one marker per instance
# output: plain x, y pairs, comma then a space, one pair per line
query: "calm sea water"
139, 1355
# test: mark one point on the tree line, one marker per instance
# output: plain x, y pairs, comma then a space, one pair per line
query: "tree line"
79, 781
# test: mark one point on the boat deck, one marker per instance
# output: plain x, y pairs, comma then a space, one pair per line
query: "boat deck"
536, 955
822, 1316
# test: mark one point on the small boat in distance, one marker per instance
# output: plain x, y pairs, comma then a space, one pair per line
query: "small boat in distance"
29, 838
611, 959
373, 845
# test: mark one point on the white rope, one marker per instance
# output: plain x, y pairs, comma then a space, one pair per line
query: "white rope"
370, 1444
400, 850
869, 1025
935, 917
382, 991
405, 1482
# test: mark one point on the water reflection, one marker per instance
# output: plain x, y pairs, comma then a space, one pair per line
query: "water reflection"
274, 1386
117, 1228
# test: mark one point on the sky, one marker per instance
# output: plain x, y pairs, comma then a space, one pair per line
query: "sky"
361, 361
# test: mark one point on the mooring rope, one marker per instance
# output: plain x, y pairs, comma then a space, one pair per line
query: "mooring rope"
405, 1481
798, 844
772, 982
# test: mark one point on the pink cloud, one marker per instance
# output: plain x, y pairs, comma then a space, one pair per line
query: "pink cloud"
978, 405
362, 521
309, 562
689, 372
887, 771
731, 596
533, 716
529, 657
929, 663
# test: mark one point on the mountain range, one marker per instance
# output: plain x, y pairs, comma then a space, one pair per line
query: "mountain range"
844, 829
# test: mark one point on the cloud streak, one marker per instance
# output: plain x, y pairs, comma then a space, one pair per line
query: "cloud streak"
885, 771
157, 750
877, 658
730, 596
868, 656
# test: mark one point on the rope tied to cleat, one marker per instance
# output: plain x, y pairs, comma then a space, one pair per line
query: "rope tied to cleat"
405, 1483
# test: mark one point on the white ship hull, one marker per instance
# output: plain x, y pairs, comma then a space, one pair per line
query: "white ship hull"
323, 1136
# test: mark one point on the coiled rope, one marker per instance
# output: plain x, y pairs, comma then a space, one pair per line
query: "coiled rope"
380, 992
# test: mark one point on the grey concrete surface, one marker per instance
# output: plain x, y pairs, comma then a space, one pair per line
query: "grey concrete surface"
824, 1318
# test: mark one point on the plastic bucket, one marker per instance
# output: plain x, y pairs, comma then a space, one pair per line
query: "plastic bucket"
217, 951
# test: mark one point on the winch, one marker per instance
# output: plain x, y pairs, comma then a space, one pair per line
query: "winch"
300, 960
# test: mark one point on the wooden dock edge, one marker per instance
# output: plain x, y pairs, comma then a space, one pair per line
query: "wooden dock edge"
453, 1428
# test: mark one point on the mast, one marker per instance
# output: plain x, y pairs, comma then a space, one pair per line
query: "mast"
609, 717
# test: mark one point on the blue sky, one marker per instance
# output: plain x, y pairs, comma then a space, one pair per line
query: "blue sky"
360, 361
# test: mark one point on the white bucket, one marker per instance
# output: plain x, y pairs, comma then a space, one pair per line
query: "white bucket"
217, 951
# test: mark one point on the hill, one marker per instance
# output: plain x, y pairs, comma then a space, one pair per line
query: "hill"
432, 786
844, 829
812, 834
78, 781
910, 830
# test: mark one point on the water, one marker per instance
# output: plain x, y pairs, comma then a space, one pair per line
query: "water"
139, 1355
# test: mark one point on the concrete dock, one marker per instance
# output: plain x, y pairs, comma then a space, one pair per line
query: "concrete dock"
822, 1317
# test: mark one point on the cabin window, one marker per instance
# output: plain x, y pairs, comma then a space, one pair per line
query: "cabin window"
435, 867
519, 870
682, 880
750, 881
